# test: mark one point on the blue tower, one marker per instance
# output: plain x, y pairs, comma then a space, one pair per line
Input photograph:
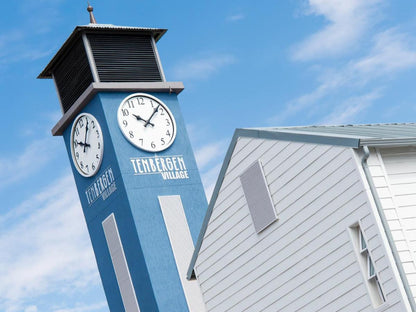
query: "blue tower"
133, 164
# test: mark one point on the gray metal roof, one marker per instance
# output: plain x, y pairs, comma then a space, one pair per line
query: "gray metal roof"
392, 134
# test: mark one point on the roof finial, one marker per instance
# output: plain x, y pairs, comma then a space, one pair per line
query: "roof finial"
92, 18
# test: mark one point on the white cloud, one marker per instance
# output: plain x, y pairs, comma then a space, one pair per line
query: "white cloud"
14, 168
347, 22
86, 308
209, 179
210, 152
235, 17
47, 250
209, 158
203, 67
349, 109
390, 53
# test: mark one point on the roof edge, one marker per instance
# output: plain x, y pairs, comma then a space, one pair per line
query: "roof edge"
297, 136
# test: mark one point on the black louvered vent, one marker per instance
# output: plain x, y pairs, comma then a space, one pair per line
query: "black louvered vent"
73, 75
124, 57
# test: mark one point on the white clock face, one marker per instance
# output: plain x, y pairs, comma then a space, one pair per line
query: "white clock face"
146, 122
87, 144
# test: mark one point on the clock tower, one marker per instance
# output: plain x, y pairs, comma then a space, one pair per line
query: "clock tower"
133, 165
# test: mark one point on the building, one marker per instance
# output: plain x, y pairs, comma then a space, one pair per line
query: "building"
133, 165
312, 219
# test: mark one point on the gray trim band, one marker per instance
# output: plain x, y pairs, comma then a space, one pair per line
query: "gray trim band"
388, 142
95, 87
300, 137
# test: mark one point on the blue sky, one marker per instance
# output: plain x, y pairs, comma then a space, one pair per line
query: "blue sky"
243, 64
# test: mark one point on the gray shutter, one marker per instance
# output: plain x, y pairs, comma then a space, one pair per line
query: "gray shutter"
258, 197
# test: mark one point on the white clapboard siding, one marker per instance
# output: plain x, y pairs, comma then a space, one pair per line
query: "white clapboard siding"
395, 171
305, 261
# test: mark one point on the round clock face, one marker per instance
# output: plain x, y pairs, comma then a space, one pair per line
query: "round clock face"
87, 144
146, 122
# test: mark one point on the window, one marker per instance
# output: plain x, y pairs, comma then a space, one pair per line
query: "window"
367, 267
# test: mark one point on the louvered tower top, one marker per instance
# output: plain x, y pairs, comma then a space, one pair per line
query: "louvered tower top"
102, 53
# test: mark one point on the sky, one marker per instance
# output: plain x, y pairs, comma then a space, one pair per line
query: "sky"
243, 63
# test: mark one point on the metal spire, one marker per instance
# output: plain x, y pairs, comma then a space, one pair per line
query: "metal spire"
92, 18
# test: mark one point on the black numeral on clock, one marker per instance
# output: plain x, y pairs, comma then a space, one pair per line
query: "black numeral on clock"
130, 103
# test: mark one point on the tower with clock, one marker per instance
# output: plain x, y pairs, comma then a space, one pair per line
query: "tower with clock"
133, 165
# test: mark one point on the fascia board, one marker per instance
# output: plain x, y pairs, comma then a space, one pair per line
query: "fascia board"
297, 136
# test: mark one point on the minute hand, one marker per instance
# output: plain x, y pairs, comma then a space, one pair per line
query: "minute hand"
151, 116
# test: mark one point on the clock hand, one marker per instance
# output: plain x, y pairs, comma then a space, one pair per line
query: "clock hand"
82, 143
140, 118
151, 116
86, 130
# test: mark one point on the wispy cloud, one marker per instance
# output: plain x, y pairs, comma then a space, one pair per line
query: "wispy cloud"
209, 158
350, 108
209, 179
202, 67
390, 52
210, 152
347, 22
23, 41
86, 308
14, 168
48, 251
235, 17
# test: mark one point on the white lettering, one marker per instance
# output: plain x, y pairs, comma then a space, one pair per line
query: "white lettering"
103, 186
134, 165
145, 164
169, 167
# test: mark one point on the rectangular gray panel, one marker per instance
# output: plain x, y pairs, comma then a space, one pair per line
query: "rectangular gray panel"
119, 261
182, 247
258, 196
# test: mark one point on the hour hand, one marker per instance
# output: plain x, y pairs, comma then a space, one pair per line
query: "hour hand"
140, 118
82, 144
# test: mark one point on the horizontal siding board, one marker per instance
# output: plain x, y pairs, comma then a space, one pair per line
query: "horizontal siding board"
301, 173
314, 234
229, 206
303, 281
289, 280
252, 151
326, 292
269, 246
295, 160
317, 186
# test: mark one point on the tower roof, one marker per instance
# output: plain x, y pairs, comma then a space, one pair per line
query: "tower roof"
156, 33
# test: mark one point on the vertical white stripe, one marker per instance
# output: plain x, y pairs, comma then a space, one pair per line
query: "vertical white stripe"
182, 246
120, 266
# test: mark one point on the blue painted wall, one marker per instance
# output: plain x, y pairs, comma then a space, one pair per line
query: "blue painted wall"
137, 211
